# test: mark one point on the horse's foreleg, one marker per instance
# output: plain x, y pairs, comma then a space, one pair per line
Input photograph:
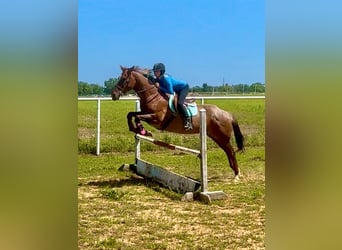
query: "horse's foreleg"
138, 128
130, 115
149, 118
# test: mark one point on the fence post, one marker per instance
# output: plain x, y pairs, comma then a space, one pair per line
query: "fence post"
137, 106
98, 126
203, 136
137, 140
205, 195
137, 148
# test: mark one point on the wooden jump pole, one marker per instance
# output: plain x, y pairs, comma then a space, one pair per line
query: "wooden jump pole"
168, 145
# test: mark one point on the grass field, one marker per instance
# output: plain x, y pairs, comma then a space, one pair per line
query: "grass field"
118, 210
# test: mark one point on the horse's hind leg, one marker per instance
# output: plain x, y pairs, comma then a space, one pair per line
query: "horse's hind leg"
228, 149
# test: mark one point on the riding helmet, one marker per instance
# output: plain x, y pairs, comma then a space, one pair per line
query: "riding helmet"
160, 67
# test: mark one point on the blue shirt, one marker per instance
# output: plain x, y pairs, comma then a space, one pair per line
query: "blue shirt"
168, 84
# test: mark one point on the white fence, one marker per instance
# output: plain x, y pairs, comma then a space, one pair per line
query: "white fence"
99, 99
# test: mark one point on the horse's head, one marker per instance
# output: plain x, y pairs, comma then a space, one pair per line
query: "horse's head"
126, 82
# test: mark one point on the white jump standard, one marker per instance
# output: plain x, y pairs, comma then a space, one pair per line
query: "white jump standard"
181, 184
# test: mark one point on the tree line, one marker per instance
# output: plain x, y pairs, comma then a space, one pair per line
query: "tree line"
92, 89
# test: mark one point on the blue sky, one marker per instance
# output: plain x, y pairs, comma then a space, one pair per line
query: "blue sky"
199, 41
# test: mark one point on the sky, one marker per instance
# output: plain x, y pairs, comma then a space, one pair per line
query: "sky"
199, 41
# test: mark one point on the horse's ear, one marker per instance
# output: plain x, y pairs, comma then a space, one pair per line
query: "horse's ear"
122, 67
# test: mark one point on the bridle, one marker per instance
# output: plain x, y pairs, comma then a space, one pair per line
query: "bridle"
126, 82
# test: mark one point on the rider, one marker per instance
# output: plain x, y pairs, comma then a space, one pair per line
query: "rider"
169, 85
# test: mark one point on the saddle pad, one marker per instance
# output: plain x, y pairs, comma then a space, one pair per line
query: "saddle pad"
191, 108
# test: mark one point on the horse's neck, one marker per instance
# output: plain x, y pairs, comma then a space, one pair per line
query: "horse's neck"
144, 89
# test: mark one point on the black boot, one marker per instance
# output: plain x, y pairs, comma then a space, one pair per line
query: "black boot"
187, 123
186, 119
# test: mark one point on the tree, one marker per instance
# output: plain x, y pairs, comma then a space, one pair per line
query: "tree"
83, 89
86, 89
257, 87
96, 89
109, 85
205, 87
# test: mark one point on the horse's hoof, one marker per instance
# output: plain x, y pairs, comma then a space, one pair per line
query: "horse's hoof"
148, 133
236, 178
143, 132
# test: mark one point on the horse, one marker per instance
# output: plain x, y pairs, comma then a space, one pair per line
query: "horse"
156, 112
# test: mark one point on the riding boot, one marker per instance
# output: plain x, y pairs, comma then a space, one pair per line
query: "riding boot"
187, 123
186, 119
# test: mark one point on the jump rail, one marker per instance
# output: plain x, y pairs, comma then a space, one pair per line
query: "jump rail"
174, 181
168, 145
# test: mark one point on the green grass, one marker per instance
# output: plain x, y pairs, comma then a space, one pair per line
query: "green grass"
119, 210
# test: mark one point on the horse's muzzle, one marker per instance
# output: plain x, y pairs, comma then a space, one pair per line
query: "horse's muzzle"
116, 95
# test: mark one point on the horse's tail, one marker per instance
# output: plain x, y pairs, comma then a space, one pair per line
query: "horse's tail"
239, 138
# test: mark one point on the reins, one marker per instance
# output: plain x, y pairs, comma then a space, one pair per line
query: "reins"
148, 100
143, 90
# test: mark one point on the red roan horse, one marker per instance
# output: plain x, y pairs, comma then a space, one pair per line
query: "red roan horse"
155, 111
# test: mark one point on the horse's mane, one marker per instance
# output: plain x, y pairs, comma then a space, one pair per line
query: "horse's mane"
144, 71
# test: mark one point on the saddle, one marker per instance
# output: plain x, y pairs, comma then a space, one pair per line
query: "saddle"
191, 106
